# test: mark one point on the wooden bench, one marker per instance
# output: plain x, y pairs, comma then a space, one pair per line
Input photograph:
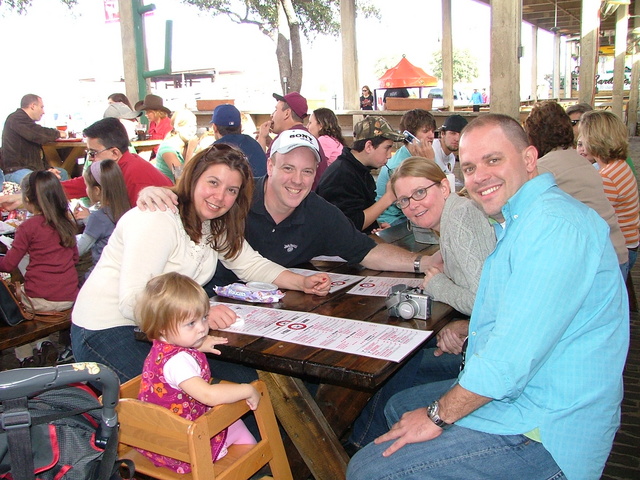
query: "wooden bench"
28, 331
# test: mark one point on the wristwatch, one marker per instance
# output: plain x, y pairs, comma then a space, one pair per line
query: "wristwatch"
416, 264
433, 413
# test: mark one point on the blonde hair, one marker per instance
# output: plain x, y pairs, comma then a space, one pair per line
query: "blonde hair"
166, 301
159, 113
417, 167
603, 135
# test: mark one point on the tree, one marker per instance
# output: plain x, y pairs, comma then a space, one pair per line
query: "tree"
22, 5
283, 21
465, 65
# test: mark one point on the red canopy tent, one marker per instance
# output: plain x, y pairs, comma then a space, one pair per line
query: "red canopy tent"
405, 74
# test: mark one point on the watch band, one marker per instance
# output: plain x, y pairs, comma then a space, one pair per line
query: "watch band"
433, 411
416, 264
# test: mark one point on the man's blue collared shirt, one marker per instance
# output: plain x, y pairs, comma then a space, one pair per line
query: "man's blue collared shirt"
549, 333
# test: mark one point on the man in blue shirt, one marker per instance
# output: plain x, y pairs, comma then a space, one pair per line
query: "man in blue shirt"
227, 125
539, 396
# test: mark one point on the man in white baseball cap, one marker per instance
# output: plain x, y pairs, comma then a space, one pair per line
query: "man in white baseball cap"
292, 139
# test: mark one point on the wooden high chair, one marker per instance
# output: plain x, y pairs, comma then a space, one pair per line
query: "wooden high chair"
154, 428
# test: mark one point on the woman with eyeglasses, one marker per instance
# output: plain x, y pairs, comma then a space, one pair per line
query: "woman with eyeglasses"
466, 240
214, 195
466, 237
366, 99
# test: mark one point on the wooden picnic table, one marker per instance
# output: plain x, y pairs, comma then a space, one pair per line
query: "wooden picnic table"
315, 425
65, 152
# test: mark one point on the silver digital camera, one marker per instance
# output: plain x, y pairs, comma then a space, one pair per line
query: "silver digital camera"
406, 302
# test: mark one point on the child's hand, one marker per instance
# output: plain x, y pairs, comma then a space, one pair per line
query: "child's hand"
210, 342
254, 399
80, 212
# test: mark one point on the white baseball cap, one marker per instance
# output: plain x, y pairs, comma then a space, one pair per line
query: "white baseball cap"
290, 139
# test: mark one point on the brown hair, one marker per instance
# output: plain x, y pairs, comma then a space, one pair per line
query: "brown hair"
166, 301
120, 97
227, 231
329, 124
113, 191
418, 167
604, 136
549, 127
43, 190
417, 119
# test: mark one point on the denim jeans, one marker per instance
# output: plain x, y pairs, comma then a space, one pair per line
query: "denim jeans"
457, 453
118, 349
423, 368
624, 269
633, 255
18, 175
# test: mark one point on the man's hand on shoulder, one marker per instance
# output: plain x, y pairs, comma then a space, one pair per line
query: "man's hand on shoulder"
161, 198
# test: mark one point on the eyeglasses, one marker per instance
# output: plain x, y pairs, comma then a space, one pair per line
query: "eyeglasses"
92, 153
420, 194
575, 122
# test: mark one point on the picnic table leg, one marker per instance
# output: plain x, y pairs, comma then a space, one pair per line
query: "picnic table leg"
341, 405
307, 427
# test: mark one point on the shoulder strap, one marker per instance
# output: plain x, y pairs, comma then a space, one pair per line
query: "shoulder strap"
16, 421
16, 292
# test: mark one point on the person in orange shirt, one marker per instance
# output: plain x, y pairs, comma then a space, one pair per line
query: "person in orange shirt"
604, 140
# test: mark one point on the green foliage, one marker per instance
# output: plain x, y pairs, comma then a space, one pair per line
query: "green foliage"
465, 65
21, 6
316, 17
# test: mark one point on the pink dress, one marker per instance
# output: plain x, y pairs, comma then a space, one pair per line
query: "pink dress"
155, 389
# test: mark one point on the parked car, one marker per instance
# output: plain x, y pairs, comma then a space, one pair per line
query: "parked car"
459, 97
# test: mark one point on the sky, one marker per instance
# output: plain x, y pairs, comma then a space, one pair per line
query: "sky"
54, 48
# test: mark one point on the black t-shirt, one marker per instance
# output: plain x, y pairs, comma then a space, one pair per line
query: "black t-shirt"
395, 93
314, 228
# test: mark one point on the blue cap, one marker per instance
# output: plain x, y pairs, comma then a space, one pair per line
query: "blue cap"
226, 115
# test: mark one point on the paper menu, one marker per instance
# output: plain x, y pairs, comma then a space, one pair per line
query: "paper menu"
338, 281
374, 340
380, 286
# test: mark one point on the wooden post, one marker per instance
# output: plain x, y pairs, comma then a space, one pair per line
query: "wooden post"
556, 66
129, 56
622, 22
590, 25
447, 56
568, 74
350, 81
506, 20
632, 109
534, 63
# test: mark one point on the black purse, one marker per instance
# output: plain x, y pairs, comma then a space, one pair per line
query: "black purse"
11, 312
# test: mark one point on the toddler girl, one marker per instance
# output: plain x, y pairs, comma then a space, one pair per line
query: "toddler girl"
172, 310
48, 237
107, 191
